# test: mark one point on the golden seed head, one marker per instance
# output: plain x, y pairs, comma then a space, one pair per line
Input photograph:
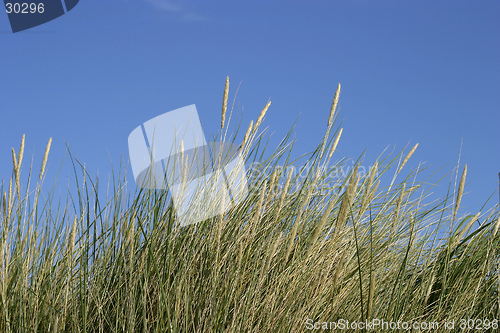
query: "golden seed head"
224, 103
247, 134
261, 116
17, 173
334, 107
4, 204
335, 143
14, 160
407, 157
21, 151
45, 157
460, 191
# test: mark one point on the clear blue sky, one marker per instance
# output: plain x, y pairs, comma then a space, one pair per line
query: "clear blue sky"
411, 71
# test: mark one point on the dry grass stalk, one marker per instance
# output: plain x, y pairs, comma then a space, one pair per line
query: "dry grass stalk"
247, 135
11, 198
224, 103
258, 212
366, 195
333, 108
340, 265
272, 186
460, 192
429, 289
330, 118
346, 201
370, 296
398, 207
72, 237
297, 221
45, 158
374, 191
412, 229
17, 173
466, 228
21, 152
407, 157
321, 224
261, 117
69, 255
497, 225
4, 204
283, 193
335, 143
302, 212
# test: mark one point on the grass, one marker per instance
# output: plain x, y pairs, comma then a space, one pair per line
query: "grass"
296, 252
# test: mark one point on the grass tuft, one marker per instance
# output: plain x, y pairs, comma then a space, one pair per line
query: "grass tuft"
297, 250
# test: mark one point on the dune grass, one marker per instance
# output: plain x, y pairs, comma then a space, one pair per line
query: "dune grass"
294, 254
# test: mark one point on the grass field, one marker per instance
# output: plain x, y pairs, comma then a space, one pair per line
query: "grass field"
287, 259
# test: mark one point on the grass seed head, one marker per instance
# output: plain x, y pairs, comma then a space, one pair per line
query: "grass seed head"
261, 117
333, 108
335, 143
45, 157
407, 157
21, 152
460, 192
224, 103
247, 135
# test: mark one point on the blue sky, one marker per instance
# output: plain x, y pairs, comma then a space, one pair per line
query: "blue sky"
411, 71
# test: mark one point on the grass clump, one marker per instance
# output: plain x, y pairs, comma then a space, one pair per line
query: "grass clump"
299, 250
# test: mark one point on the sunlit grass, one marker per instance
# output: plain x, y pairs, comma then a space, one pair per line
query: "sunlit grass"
321, 248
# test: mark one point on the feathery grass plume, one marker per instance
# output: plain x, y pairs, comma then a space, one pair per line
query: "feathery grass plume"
11, 197
224, 104
17, 173
45, 158
330, 119
407, 157
14, 160
72, 237
261, 116
21, 152
333, 108
4, 204
247, 135
335, 143
460, 192
374, 191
